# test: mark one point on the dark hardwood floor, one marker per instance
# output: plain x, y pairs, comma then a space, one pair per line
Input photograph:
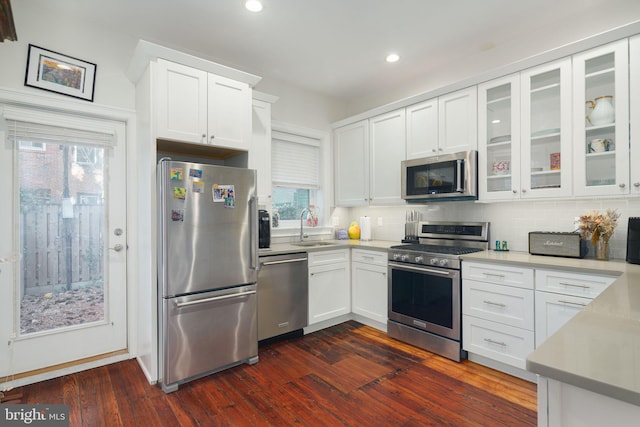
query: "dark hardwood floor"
350, 375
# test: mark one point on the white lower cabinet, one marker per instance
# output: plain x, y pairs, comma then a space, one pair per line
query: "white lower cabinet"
553, 311
560, 295
564, 405
498, 312
329, 285
369, 284
509, 310
497, 341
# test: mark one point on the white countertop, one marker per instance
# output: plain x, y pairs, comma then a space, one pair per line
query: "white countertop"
599, 349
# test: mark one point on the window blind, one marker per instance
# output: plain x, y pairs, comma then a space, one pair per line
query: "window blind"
44, 133
295, 161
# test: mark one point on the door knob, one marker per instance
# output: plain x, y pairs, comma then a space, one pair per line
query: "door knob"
117, 247
622, 185
118, 231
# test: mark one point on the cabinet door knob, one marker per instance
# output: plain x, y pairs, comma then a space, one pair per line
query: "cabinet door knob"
204, 135
636, 184
524, 190
514, 191
433, 150
213, 136
622, 185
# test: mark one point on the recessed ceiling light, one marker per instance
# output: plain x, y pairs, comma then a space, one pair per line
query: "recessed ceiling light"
496, 121
392, 57
253, 5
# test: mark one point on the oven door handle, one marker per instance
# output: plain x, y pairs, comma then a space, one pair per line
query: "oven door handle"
443, 272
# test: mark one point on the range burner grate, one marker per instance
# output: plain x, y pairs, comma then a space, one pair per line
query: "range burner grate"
437, 249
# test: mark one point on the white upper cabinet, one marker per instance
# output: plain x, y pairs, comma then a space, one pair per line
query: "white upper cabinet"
229, 113
203, 108
499, 138
546, 131
260, 152
458, 121
386, 151
351, 164
367, 157
182, 103
525, 134
446, 124
601, 120
422, 129
634, 113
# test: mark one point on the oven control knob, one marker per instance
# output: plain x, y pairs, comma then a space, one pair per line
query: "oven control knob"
396, 257
419, 260
433, 261
404, 258
444, 262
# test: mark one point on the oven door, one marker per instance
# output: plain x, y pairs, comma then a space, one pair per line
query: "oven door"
426, 298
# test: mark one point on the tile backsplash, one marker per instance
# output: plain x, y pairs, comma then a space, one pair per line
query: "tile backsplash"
510, 221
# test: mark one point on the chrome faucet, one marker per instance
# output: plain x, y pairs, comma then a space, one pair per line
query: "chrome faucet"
308, 211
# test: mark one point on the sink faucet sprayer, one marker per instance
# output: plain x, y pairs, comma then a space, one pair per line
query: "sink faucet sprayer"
308, 211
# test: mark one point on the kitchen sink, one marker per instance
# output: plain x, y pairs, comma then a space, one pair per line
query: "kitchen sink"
312, 243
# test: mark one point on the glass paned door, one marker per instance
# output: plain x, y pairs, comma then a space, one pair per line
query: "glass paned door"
499, 138
61, 220
546, 130
64, 299
601, 121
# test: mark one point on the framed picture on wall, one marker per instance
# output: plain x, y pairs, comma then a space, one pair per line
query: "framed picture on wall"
59, 73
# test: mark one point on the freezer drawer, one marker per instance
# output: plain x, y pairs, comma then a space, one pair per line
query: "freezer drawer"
207, 332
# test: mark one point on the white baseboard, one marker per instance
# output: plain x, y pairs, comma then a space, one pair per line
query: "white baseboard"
502, 367
32, 379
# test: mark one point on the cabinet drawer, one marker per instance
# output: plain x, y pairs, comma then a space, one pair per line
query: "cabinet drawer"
496, 341
499, 274
328, 257
567, 283
369, 257
504, 304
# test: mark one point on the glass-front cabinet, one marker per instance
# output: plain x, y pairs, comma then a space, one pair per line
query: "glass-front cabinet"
601, 120
634, 113
499, 138
546, 130
525, 131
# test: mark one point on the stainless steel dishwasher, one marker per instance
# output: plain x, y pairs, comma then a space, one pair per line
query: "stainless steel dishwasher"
283, 292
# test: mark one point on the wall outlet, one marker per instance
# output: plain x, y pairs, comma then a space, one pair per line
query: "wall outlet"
379, 221
576, 223
335, 221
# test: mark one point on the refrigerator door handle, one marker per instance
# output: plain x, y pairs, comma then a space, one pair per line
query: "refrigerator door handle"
205, 300
253, 231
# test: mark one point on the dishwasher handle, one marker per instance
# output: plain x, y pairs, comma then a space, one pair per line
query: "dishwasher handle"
283, 261
205, 300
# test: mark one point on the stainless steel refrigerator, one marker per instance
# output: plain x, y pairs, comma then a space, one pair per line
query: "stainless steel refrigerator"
207, 269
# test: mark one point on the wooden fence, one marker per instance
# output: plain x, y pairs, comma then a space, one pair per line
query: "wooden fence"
52, 246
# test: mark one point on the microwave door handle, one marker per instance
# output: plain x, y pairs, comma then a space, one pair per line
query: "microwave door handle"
459, 172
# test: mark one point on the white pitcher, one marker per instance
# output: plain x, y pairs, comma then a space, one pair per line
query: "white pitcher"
603, 112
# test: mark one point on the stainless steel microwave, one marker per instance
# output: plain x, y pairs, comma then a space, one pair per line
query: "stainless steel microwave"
438, 178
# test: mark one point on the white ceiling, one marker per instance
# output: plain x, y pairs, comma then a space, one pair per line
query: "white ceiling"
337, 47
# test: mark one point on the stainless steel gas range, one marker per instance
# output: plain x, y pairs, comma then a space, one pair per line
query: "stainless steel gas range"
425, 287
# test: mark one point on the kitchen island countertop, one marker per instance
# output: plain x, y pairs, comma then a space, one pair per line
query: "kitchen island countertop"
599, 348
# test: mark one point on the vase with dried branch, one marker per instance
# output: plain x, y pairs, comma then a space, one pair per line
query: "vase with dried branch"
599, 228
